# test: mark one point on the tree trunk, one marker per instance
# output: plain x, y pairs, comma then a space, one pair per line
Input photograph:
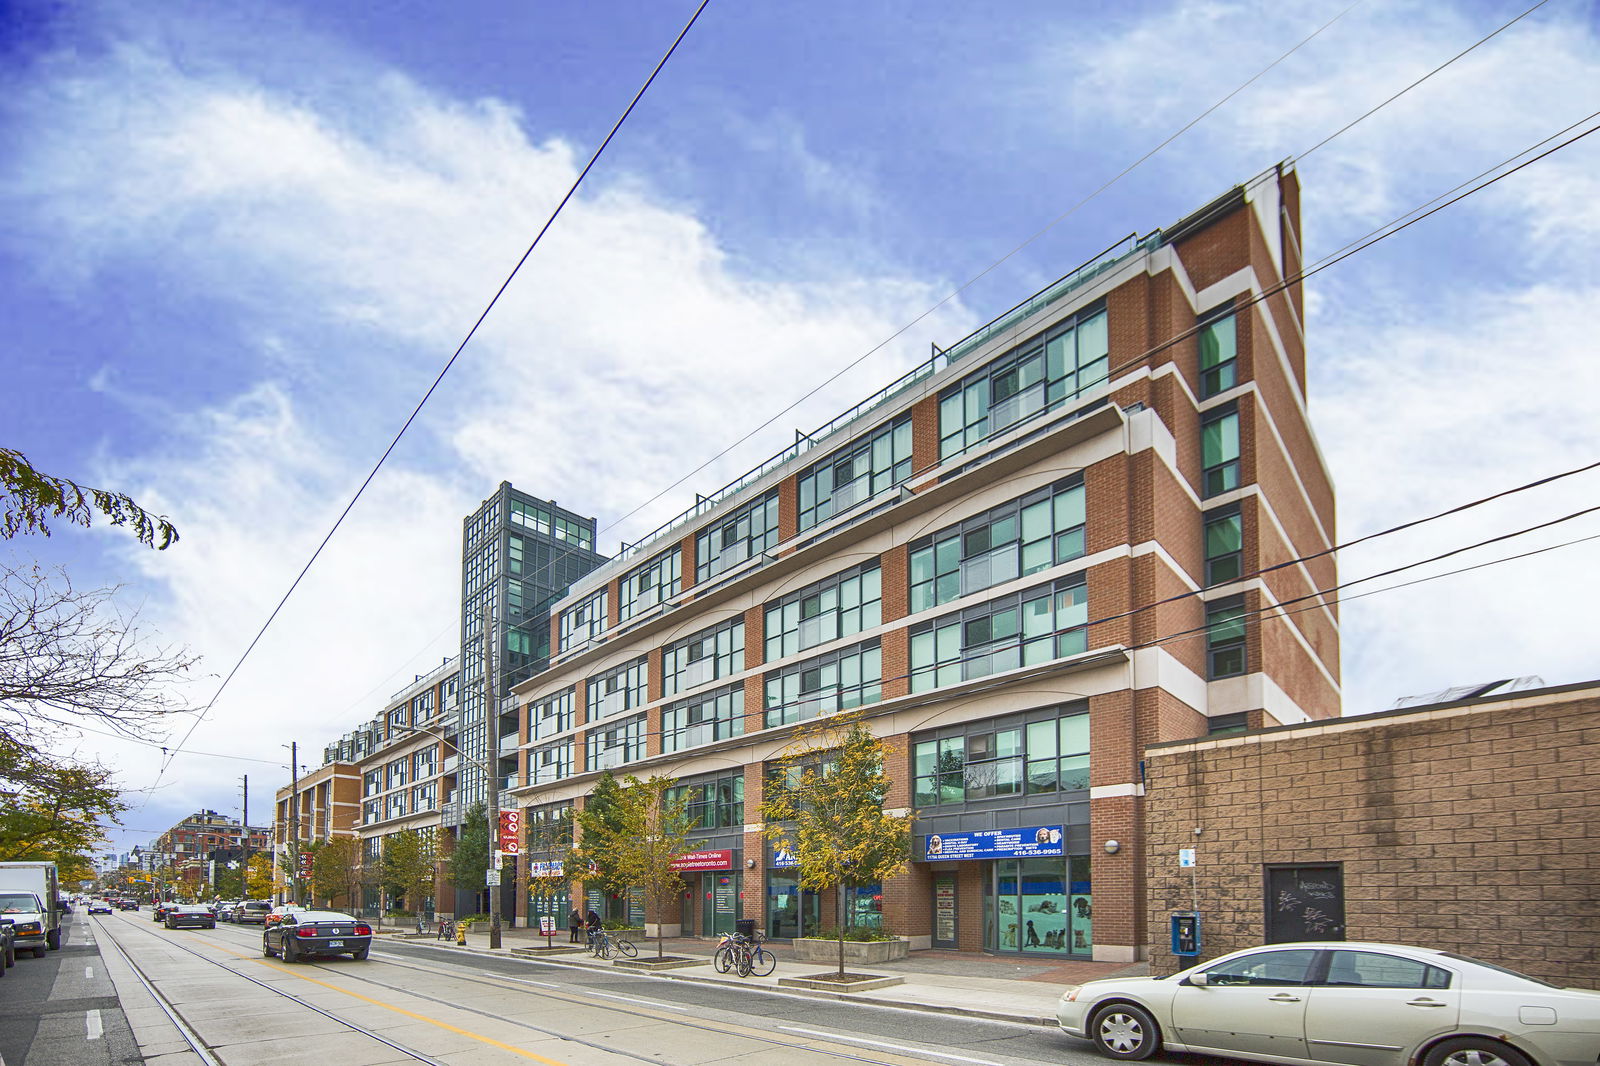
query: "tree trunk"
840, 891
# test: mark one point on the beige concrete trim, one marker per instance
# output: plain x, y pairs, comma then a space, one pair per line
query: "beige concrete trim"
1132, 788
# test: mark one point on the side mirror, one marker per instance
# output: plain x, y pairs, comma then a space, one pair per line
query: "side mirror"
1198, 979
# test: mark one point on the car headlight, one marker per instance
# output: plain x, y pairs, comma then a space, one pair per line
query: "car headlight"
1072, 996
29, 929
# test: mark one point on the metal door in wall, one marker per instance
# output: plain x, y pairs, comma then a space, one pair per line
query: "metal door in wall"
1304, 903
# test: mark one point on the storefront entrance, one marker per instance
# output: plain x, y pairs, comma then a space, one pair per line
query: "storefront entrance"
719, 902
791, 910
1039, 906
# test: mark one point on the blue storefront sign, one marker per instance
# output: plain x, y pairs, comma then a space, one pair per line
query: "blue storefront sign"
1036, 840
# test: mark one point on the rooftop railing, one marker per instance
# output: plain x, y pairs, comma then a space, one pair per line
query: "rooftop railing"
1081, 275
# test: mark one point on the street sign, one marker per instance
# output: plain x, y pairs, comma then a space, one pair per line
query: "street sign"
1185, 857
510, 831
491, 878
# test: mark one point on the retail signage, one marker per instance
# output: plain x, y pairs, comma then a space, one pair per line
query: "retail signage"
703, 860
545, 869
994, 844
783, 859
510, 831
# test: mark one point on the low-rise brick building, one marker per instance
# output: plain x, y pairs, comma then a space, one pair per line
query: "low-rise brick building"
1471, 825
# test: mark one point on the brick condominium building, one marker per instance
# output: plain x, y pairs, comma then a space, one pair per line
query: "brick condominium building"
1030, 558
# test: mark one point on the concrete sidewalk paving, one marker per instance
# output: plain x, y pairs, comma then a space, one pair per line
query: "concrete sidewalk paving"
1004, 988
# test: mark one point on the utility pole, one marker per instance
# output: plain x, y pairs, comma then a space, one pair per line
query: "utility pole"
491, 767
244, 869
294, 822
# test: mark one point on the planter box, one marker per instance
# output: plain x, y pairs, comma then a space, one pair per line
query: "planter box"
865, 952
635, 935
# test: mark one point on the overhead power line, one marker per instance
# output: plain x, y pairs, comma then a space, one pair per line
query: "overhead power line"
571, 191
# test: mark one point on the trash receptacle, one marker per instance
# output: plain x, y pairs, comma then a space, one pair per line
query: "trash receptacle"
745, 927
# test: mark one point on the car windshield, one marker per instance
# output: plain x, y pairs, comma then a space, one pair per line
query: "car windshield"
18, 903
1496, 968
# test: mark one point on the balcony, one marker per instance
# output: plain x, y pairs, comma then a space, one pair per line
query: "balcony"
509, 744
450, 763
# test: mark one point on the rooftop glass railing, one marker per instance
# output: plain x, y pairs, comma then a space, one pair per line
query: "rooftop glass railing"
1106, 261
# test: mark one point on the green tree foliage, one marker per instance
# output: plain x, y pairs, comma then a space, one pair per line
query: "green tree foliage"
600, 820
643, 833
28, 498
825, 806
409, 860
337, 871
469, 862
55, 806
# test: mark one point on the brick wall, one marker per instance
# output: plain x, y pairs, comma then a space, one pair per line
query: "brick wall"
1472, 827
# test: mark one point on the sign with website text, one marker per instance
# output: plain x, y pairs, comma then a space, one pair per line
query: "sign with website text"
703, 860
510, 831
545, 869
1029, 841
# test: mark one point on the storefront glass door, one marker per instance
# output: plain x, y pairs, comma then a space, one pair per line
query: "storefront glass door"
719, 903
791, 912
1037, 908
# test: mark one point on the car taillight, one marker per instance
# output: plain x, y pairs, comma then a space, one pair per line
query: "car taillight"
305, 930
363, 930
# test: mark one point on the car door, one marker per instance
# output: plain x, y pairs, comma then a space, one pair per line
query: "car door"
1252, 1005
1373, 1007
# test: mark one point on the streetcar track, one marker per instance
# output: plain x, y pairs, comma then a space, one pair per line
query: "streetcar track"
544, 990
192, 1036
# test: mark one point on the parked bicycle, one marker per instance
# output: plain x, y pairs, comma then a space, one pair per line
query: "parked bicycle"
605, 945
744, 955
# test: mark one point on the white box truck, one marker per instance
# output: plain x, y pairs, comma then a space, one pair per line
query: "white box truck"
29, 901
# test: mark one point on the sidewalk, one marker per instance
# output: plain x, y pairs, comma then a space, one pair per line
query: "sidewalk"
1005, 988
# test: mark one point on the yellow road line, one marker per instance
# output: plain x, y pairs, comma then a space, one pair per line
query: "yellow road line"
491, 1041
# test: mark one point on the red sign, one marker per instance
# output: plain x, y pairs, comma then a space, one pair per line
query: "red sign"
511, 832
305, 864
703, 860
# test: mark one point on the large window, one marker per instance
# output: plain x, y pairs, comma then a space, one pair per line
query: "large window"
837, 681
659, 579
423, 763
1022, 537
1042, 373
621, 689
1225, 637
839, 606
1034, 754
1219, 351
584, 622
550, 827
551, 715
749, 531
714, 803
1219, 451
614, 745
702, 658
698, 720
1022, 629
541, 520
550, 764
1224, 534
856, 472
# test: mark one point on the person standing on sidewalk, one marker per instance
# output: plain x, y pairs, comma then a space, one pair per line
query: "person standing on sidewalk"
592, 925
575, 924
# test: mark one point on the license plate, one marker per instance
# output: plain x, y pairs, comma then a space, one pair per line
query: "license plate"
336, 943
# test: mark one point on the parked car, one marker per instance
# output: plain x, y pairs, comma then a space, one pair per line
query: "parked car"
190, 915
1341, 1002
251, 912
275, 915
223, 908
303, 933
99, 906
28, 918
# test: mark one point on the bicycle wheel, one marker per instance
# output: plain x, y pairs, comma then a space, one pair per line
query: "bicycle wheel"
603, 947
744, 960
722, 958
627, 947
762, 962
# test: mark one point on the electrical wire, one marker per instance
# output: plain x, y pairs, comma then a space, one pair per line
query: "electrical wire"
571, 191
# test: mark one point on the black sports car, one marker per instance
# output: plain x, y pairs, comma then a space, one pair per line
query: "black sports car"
191, 915
306, 933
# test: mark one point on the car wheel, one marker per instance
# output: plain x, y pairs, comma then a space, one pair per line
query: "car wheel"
38, 953
289, 953
1473, 1051
359, 955
1124, 1031
266, 949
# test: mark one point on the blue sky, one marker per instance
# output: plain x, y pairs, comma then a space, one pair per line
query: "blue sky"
237, 244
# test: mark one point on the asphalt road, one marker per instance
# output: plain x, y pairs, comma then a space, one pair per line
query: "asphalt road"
62, 1010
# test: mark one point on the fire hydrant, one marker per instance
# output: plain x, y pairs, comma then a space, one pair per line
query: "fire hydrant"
461, 933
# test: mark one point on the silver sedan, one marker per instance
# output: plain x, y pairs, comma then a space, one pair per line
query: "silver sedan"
1316, 1004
